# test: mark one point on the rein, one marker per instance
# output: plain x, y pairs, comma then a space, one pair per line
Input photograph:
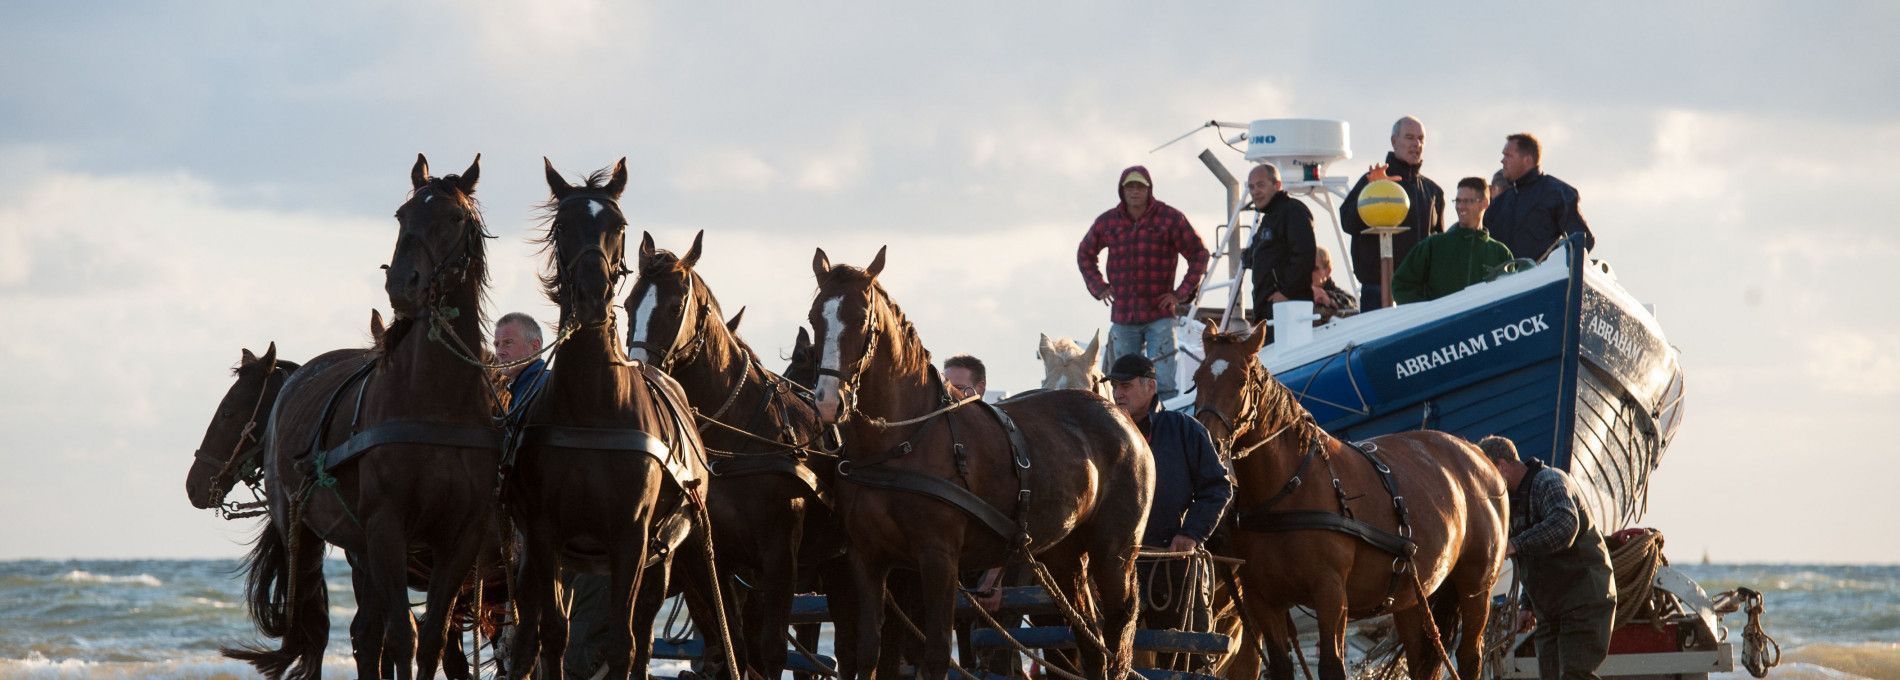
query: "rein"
248, 449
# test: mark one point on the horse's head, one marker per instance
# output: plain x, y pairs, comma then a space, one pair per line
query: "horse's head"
588, 235
439, 242
803, 364
845, 331
1229, 385
235, 436
1066, 365
668, 306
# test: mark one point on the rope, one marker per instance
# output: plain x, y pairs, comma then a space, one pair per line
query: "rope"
1759, 652
883, 424
817, 664
1635, 564
919, 633
718, 598
1020, 649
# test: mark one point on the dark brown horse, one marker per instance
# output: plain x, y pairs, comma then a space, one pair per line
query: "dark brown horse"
418, 408
952, 492
233, 446
1299, 493
767, 493
610, 466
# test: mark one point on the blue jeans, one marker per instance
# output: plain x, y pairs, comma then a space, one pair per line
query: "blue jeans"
1371, 297
1154, 339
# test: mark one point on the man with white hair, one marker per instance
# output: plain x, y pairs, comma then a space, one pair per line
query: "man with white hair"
1427, 216
517, 336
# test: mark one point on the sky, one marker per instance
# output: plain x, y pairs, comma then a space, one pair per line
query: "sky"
183, 180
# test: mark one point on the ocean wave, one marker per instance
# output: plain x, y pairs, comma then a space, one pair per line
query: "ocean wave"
83, 576
36, 667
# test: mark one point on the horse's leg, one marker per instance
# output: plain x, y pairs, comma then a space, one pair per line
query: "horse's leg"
1329, 607
1112, 573
454, 562
633, 600
867, 578
366, 627
534, 597
387, 556
1474, 613
937, 590
1276, 635
842, 601
778, 561
1421, 658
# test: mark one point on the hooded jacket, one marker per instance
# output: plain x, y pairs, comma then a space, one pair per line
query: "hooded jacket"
1427, 217
1445, 264
1534, 213
1142, 254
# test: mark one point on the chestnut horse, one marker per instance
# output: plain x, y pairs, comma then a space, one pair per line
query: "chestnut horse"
1309, 509
233, 446
610, 467
947, 487
419, 409
768, 493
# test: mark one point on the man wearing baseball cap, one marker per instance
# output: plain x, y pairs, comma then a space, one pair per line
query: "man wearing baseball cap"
1191, 487
1145, 239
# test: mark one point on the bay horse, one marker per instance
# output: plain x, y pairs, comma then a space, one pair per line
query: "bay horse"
418, 407
610, 468
945, 486
1360, 543
232, 449
768, 494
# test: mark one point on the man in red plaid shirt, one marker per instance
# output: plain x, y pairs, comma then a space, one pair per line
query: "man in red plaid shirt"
1144, 238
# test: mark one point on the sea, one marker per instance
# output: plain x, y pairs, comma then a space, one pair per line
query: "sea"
168, 618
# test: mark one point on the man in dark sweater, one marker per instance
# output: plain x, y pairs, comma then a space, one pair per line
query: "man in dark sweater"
1563, 563
1427, 216
1191, 490
1535, 210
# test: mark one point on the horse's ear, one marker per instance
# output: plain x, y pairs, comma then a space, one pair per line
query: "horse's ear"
877, 263
1210, 331
692, 254
556, 183
803, 343
466, 182
419, 175
270, 356
1043, 347
247, 359
646, 246
820, 264
376, 327
1095, 345
1257, 337
732, 324
619, 181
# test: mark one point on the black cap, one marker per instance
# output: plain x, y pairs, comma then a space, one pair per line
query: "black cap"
1130, 367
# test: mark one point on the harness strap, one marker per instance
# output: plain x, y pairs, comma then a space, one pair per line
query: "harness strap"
935, 487
1019, 453
602, 438
746, 466
410, 432
1297, 520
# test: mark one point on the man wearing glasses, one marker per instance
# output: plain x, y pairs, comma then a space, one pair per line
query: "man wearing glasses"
1446, 263
1426, 217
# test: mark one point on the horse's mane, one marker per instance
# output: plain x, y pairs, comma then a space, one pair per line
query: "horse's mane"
907, 348
546, 212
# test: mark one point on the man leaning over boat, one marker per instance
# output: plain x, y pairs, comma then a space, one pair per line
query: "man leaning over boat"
1561, 560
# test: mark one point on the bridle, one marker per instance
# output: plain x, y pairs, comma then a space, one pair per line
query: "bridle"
671, 353
436, 291
617, 266
249, 447
1252, 392
855, 376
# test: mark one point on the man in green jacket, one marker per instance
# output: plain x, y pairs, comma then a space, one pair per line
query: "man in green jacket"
1445, 263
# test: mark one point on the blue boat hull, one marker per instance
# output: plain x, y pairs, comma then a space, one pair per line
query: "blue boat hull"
1572, 369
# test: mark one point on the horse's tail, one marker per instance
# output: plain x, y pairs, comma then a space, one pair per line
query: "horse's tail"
288, 599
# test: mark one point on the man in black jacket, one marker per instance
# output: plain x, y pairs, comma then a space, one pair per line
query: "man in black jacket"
1427, 216
1535, 210
1191, 491
1281, 250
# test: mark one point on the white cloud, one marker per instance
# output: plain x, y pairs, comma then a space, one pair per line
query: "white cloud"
1853, 363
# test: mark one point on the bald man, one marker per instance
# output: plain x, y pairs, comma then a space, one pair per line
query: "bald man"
1427, 217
